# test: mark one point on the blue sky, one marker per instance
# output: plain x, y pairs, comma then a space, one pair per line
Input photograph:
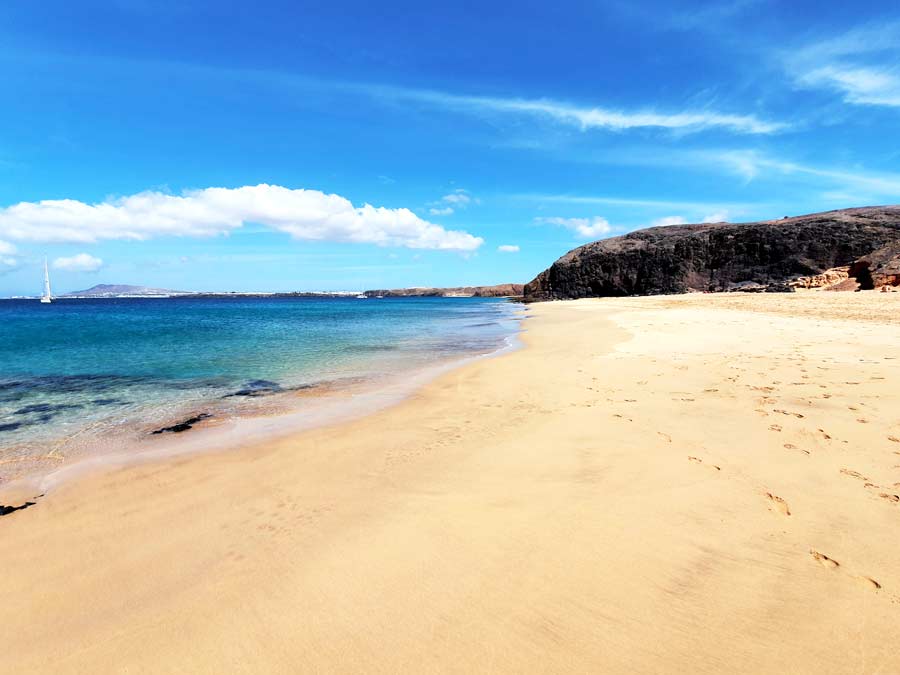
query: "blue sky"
276, 146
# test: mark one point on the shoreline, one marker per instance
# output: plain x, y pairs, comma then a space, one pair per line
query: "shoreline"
653, 484
253, 422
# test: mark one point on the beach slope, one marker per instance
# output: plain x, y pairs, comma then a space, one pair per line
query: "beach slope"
686, 484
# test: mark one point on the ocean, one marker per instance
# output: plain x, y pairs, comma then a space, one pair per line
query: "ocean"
76, 373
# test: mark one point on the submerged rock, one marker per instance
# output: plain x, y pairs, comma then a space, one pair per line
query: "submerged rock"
255, 388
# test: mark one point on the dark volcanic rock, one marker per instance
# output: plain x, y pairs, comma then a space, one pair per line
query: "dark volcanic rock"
183, 426
717, 256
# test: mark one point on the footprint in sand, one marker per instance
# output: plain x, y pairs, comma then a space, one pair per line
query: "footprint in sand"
894, 439
700, 461
853, 474
869, 582
891, 498
791, 446
779, 504
824, 560
787, 412
774, 427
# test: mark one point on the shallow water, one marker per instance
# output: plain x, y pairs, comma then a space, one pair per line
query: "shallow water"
89, 368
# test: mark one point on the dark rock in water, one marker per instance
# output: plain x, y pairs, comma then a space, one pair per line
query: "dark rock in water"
183, 426
6, 510
108, 401
257, 388
12, 426
717, 256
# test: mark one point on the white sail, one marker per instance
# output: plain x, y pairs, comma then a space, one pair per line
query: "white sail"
46, 296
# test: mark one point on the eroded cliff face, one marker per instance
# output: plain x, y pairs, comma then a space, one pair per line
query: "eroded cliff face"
721, 256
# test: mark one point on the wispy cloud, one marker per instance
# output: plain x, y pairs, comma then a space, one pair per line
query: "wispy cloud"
861, 64
583, 117
449, 203
717, 217
586, 228
606, 200
307, 215
752, 164
508, 248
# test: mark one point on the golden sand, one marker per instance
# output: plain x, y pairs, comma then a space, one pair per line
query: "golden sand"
689, 484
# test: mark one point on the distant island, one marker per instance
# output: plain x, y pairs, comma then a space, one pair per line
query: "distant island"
133, 291
497, 291
123, 291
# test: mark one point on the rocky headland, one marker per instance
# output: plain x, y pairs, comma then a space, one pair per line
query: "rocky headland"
847, 249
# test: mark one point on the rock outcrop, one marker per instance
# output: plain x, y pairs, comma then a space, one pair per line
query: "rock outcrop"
766, 255
883, 265
498, 291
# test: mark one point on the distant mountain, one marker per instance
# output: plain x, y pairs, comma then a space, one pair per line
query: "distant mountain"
119, 290
499, 291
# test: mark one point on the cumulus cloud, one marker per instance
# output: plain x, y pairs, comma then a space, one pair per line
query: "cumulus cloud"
584, 227
669, 220
508, 248
81, 262
307, 215
587, 117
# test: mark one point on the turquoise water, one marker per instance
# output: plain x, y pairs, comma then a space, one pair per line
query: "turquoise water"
79, 366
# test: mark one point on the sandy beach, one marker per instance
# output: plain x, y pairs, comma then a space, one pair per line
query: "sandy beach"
667, 484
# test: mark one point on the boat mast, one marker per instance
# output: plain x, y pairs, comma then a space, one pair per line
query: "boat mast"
46, 297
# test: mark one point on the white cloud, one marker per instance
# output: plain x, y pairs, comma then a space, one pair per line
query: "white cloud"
860, 64
860, 85
508, 248
81, 262
458, 198
717, 217
442, 211
307, 215
584, 227
865, 184
586, 117
8, 258
668, 220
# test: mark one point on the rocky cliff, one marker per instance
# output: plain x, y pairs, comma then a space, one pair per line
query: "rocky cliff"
726, 256
498, 291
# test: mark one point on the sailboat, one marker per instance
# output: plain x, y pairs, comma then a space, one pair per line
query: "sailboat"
46, 296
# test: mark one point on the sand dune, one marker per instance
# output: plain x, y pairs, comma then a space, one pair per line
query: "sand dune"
686, 484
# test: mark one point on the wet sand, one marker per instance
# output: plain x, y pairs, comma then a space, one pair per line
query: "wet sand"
686, 484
